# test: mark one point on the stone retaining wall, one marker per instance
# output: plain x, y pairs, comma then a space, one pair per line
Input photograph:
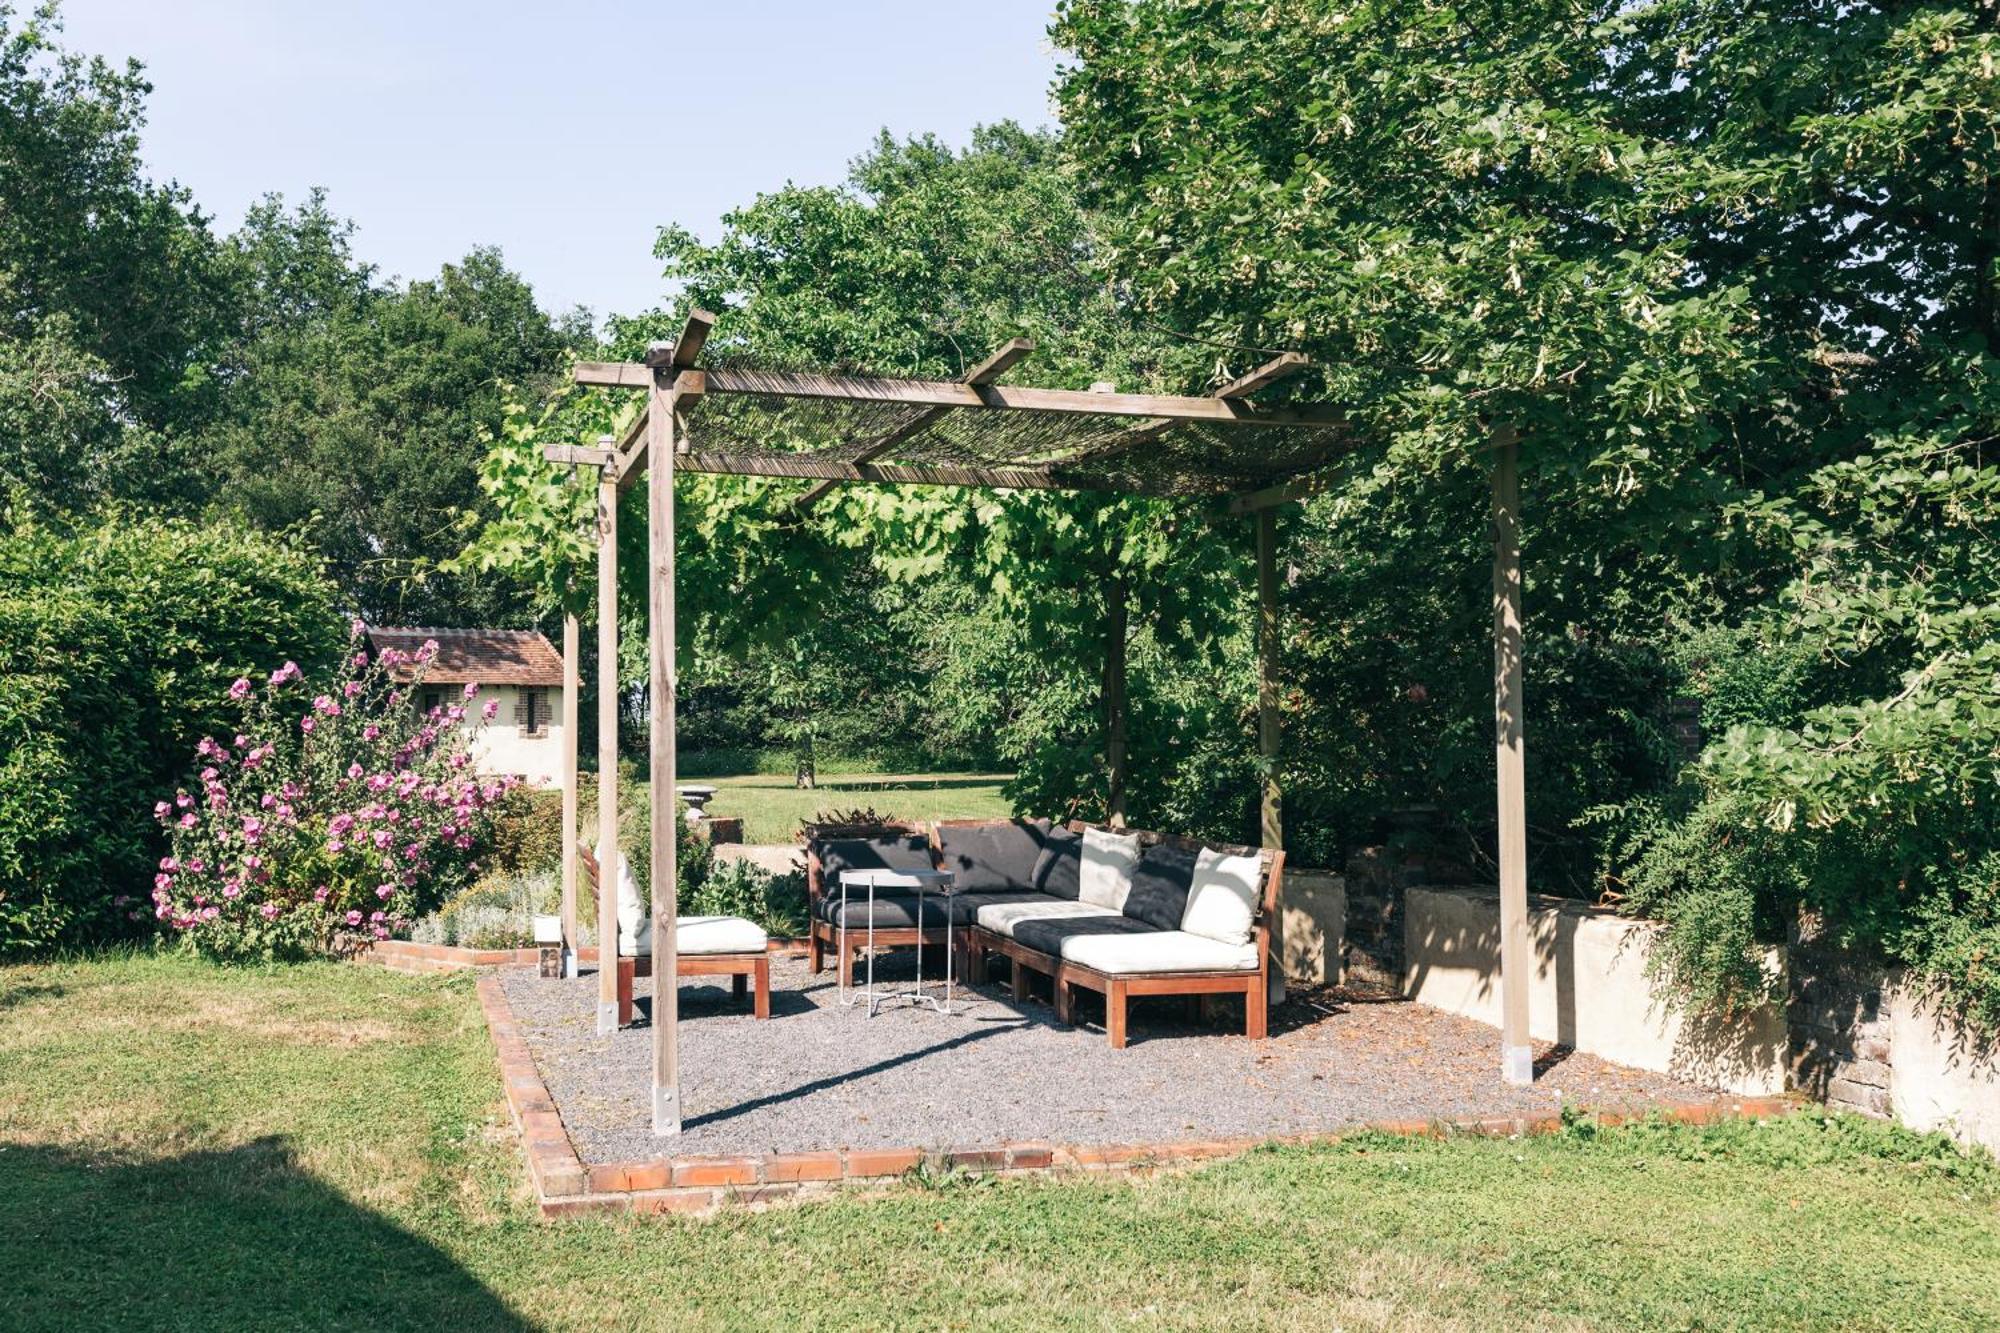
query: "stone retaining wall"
1589, 991
1863, 1039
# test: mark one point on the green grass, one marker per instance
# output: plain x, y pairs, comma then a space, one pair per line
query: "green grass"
187, 1147
772, 808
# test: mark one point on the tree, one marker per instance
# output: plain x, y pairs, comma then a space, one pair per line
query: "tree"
112, 294
1733, 272
355, 412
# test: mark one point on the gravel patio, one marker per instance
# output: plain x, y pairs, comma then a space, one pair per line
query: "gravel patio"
818, 1075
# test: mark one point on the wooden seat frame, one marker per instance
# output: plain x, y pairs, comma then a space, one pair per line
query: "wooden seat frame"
1118, 988
823, 937
741, 968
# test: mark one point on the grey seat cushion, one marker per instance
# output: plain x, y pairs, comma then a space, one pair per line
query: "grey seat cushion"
1160, 884
986, 858
1058, 870
1049, 934
883, 851
892, 911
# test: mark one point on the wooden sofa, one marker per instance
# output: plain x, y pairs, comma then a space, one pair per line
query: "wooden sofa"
1017, 900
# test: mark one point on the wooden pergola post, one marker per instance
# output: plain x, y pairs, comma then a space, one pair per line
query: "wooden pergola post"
607, 751
661, 405
1517, 1057
1115, 757
571, 647
1271, 824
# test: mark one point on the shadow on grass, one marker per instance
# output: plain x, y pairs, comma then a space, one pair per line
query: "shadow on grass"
235, 1239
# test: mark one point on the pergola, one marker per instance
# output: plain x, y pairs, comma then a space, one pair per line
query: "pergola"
1245, 459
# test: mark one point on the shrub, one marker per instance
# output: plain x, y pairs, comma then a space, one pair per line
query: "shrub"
120, 640
524, 833
746, 889
336, 814
496, 913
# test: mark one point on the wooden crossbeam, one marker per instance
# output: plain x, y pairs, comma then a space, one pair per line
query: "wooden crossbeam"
1004, 358
954, 393
1279, 367
814, 467
680, 354
578, 455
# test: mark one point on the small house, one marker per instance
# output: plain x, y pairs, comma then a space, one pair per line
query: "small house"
518, 670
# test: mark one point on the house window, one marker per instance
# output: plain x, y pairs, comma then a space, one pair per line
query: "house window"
531, 712
432, 699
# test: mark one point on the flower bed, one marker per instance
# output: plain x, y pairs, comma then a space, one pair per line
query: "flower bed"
335, 816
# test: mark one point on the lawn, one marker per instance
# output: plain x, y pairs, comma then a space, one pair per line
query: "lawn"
772, 807
186, 1147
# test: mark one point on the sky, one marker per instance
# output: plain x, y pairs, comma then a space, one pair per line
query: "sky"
565, 134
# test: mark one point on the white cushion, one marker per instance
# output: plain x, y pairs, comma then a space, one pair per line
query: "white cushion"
1001, 918
1104, 878
1222, 898
719, 934
1158, 951
635, 923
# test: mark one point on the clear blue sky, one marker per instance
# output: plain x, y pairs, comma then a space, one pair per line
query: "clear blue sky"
563, 133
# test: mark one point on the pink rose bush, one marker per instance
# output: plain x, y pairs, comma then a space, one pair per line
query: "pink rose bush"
336, 815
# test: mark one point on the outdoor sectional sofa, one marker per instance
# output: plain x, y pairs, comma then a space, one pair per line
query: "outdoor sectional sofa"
1119, 912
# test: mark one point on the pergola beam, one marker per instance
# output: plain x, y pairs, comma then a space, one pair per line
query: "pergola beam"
682, 352
1282, 366
956, 393
1003, 359
810, 467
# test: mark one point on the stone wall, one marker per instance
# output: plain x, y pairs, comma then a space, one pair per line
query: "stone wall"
1589, 990
1862, 1038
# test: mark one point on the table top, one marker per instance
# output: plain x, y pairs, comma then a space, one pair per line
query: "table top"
898, 879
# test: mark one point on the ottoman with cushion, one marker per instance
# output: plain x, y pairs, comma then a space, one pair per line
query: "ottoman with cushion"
709, 946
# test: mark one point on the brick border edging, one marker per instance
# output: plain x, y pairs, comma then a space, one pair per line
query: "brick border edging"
564, 1185
409, 956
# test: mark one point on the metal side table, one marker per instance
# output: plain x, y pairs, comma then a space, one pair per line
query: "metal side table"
936, 884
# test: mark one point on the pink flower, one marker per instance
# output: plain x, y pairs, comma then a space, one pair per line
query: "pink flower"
231, 889
168, 863
361, 659
370, 732
196, 866
189, 820
162, 882
267, 800
320, 893
183, 800
241, 740
354, 770
354, 917
378, 916
428, 651
305, 724
161, 809
268, 911
289, 671
385, 891
471, 688
208, 776
240, 687
210, 913
491, 710
326, 704
351, 688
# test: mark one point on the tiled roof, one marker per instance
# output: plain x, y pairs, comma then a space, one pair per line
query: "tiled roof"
488, 656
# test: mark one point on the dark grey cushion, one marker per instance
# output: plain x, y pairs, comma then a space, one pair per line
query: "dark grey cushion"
893, 911
1046, 934
986, 858
1160, 884
1057, 869
884, 851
